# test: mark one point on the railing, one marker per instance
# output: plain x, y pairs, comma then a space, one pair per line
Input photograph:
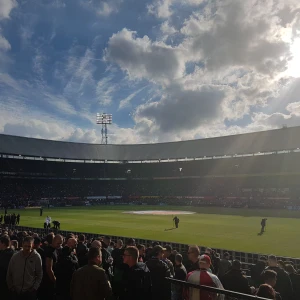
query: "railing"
246, 258
215, 291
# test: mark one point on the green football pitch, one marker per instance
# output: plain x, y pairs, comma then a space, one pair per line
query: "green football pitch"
227, 228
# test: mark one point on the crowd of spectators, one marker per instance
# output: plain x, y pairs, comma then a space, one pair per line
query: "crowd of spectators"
55, 267
30, 192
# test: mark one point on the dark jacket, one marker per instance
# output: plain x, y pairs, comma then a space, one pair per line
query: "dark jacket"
295, 279
224, 267
283, 284
5, 256
81, 252
161, 288
117, 257
107, 263
180, 274
136, 283
193, 267
256, 272
66, 265
235, 281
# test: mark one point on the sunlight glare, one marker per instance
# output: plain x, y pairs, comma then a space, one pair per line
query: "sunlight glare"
294, 64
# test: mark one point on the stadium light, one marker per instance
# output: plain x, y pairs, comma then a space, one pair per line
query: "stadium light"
104, 120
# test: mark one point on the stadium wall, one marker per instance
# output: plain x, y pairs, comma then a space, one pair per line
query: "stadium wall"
265, 141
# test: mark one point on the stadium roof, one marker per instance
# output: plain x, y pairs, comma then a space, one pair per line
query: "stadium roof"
265, 141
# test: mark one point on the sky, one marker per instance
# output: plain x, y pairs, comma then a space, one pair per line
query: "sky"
167, 70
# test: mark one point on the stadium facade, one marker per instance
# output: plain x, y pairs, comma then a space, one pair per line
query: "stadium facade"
243, 144
254, 170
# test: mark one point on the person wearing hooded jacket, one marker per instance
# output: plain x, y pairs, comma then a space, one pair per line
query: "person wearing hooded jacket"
25, 272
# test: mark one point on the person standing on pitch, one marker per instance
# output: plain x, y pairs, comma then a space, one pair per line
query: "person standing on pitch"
41, 211
176, 221
263, 224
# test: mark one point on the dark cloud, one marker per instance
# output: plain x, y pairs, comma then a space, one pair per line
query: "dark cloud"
182, 110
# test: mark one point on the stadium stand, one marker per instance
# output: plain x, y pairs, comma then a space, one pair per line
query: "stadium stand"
251, 170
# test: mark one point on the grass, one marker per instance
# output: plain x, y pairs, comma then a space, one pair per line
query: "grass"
233, 229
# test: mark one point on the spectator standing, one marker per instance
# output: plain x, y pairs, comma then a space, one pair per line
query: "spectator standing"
257, 270
25, 273
224, 265
283, 285
234, 280
18, 219
193, 256
66, 265
180, 274
82, 251
90, 282
107, 260
270, 278
111, 247
136, 283
203, 276
51, 255
215, 260
169, 254
118, 267
295, 279
14, 245
168, 262
159, 270
141, 249
266, 291
6, 254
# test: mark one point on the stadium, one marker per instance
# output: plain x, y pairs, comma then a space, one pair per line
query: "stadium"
220, 188
231, 182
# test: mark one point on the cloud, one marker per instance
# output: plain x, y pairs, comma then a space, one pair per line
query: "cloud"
6, 6
126, 101
142, 58
105, 90
167, 30
102, 8
4, 44
182, 110
238, 34
239, 54
164, 9
160, 8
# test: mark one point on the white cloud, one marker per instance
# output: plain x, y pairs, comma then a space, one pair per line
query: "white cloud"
239, 34
142, 58
102, 8
126, 102
167, 30
164, 9
294, 108
242, 56
160, 8
105, 90
6, 6
4, 44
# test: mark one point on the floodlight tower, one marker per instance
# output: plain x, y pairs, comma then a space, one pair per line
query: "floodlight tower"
104, 119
